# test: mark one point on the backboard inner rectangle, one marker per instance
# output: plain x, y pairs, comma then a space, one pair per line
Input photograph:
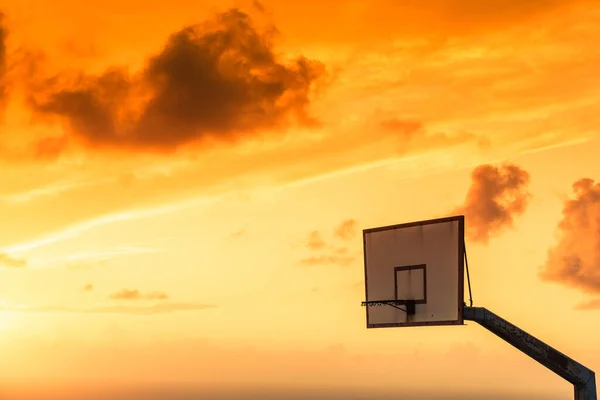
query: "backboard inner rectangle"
410, 283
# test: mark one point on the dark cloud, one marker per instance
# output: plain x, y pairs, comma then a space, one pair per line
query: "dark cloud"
214, 80
315, 241
134, 294
6, 260
163, 308
496, 196
88, 288
575, 260
346, 230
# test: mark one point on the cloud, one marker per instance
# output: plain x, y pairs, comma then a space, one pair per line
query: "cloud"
526, 98
496, 196
81, 265
327, 253
412, 135
134, 294
88, 288
88, 257
239, 233
315, 241
6, 260
219, 79
346, 230
593, 304
164, 308
3, 64
381, 20
407, 128
575, 260
342, 261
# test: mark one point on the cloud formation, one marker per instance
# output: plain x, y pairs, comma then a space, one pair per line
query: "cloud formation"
88, 288
134, 294
575, 259
8, 261
163, 308
496, 196
325, 253
346, 230
593, 304
315, 241
412, 135
217, 80
403, 127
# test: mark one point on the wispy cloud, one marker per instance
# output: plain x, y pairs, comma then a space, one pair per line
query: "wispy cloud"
342, 261
103, 255
593, 304
134, 294
85, 258
327, 253
78, 229
6, 260
346, 230
81, 265
566, 143
315, 241
53, 189
164, 308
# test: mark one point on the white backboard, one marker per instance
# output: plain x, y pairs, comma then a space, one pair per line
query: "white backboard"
420, 261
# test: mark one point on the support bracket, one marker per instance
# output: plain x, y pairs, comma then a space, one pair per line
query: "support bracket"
582, 378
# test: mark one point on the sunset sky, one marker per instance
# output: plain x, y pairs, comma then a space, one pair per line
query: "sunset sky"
184, 185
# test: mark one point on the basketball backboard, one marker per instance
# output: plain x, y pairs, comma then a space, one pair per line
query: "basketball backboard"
414, 273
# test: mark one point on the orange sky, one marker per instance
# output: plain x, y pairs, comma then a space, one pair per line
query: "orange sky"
165, 168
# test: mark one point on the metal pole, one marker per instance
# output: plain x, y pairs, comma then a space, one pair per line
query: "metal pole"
582, 378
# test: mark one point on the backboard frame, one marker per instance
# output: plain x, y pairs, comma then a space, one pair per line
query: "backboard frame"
461, 270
